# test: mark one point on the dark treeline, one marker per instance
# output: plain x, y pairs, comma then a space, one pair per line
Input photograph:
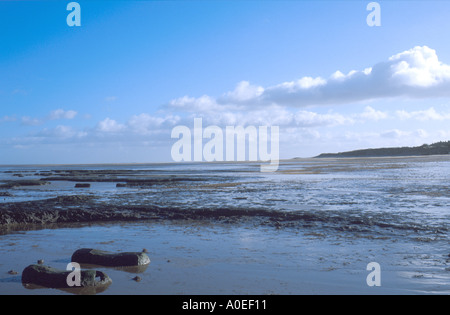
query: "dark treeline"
439, 148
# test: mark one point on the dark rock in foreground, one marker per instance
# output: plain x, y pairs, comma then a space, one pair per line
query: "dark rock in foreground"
103, 258
53, 278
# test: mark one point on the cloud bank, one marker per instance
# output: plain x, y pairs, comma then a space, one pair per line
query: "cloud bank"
415, 73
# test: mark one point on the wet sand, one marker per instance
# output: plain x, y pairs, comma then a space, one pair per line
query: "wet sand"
204, 259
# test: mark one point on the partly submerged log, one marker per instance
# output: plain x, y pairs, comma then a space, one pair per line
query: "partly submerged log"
58, 279
103, 258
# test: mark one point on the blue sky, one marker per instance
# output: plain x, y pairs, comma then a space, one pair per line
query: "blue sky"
111, 90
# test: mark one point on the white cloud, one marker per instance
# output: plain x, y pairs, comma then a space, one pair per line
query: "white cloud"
145, 124
423, 115
110, 126
420, 133
419, 67
54, 115
204, 103
304, 83
61, 132
62, 114
312, 119
338, 75
416, 73
372, 114
30, 121
406, 135
244, 91
395, 133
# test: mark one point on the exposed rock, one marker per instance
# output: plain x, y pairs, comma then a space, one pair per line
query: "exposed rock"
72, 199
21, 183
82, 185
103, 258
137, 279
53, 278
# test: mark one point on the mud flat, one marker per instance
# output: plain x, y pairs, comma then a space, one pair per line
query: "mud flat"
15, 216
313, 227
222, 251
203, 258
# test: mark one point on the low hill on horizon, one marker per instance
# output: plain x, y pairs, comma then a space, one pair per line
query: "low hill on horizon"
439, 148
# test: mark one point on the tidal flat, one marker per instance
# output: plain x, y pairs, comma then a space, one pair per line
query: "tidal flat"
225, 228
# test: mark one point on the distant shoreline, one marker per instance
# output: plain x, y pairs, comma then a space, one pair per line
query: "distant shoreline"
435, 149
439, 148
